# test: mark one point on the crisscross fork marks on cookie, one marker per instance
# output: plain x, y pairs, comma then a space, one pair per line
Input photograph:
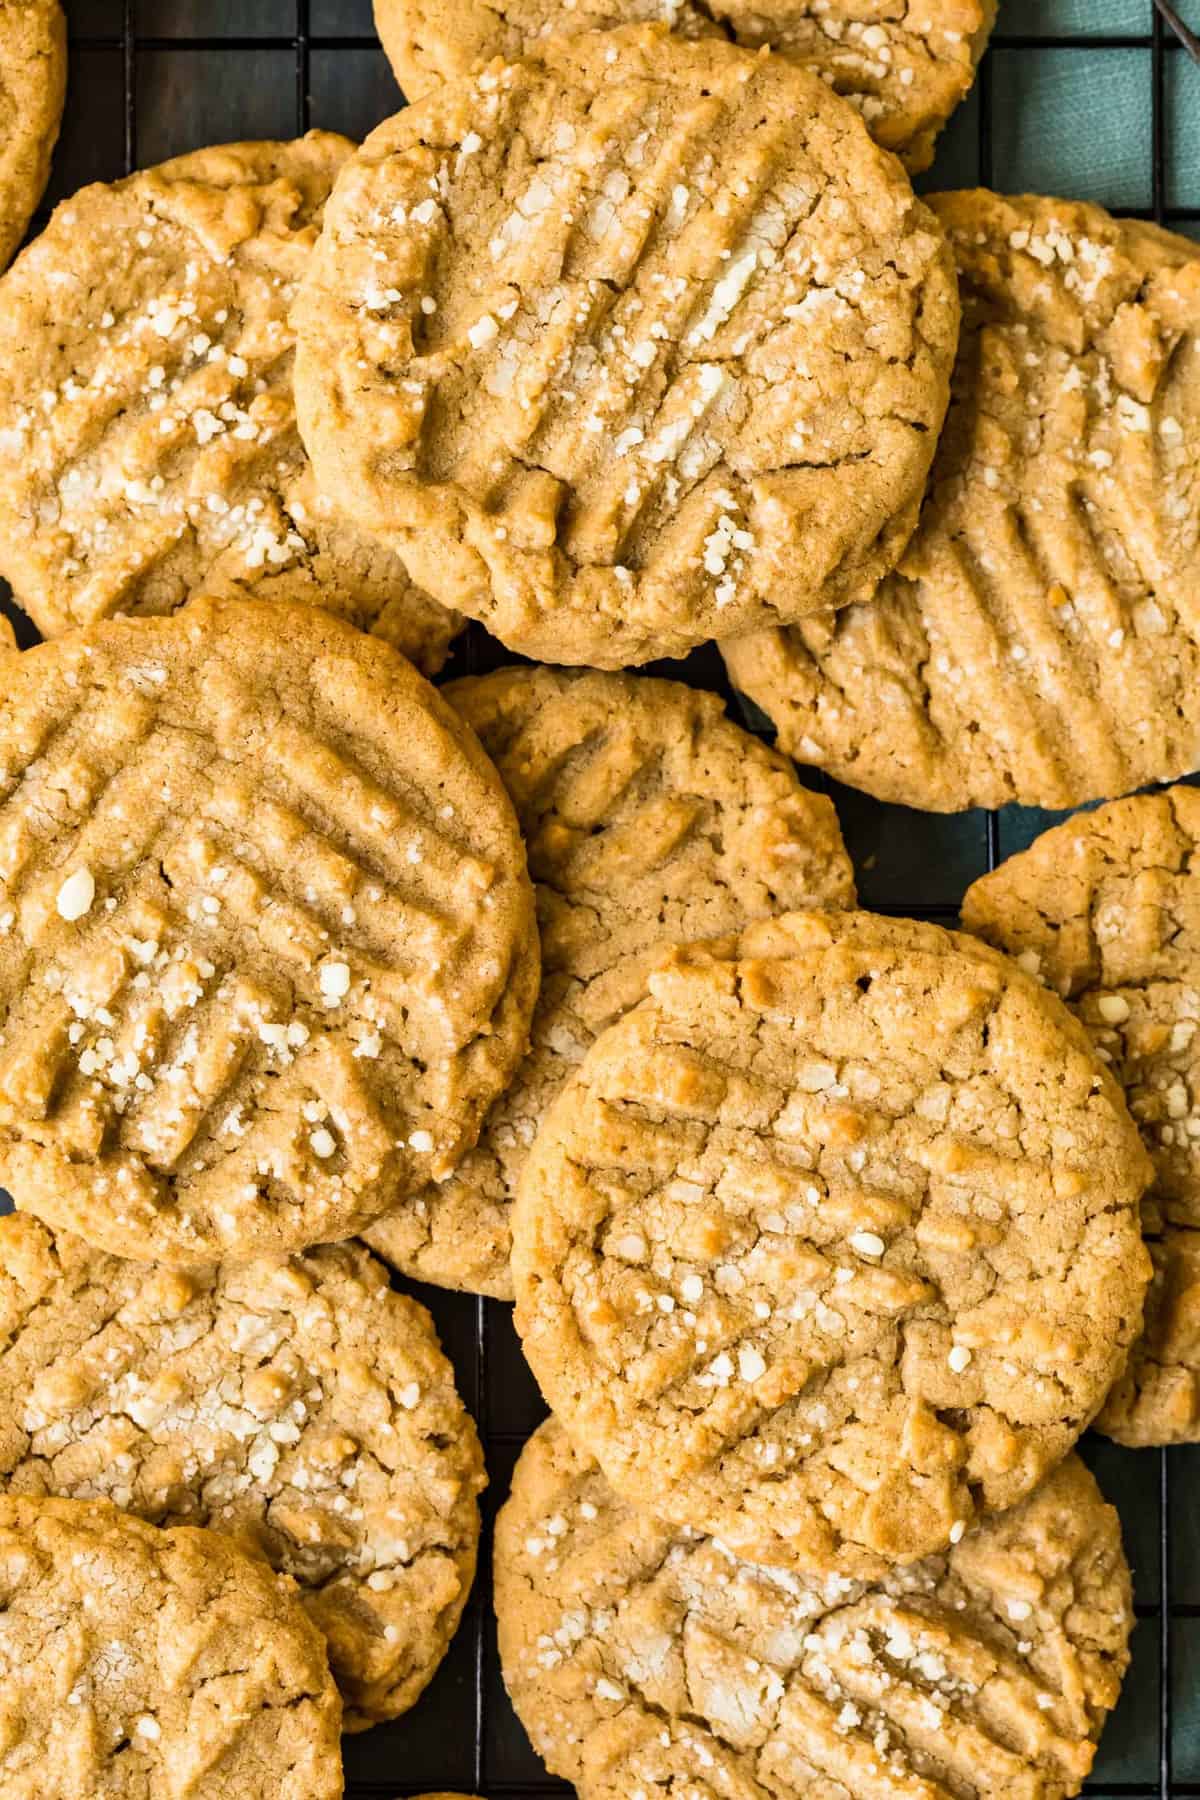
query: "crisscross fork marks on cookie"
1040, 640
703, 267
150, 446
640, 1659
257, 964
803, 1385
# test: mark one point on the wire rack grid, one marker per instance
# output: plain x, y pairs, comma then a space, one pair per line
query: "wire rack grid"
152, 78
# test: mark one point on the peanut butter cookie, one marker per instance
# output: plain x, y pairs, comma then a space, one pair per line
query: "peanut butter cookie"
649, 819
1106, 910
33, 84
904, 69
832, 1244
1041, 639
267, 943
647, 1661
148, 441
138, 1664
295, 1403
633, 343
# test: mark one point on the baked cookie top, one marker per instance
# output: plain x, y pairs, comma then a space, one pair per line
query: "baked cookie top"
649, 818
267, 943
1105, 909
295, 1403
832, 1244
905, 71
633, 343
138, 1662
1039, 641
646, 1660
149, 444
1157, 1399
33, 84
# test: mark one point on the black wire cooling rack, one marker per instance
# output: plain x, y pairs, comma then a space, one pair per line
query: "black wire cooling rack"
152, 78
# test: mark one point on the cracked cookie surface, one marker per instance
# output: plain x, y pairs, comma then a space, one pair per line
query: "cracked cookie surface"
295, 1404
649, 819
905, 73
267, 943
150, 446
140, 1663
633, 343
646, 1660
33, 83
1105, 909
1040, 641
832, 1244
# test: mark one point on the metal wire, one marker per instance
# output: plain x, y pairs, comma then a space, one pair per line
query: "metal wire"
463, 1734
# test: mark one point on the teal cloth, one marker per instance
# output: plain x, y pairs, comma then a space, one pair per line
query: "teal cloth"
1078, 121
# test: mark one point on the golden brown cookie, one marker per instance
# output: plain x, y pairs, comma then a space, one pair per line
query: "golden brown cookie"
630, 344
1041, 639
1157, 1399
1106, 910
832, 1244
649, 819
137, 1663
904, 69
33, 84
267, 944
148, 441
8, 639
296, 1404
647, 1661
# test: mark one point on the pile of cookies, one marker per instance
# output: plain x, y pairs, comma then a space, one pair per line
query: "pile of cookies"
827, 1232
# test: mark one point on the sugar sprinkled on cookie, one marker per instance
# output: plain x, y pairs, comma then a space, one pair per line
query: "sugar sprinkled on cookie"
267, 944
823, 1078
687, 357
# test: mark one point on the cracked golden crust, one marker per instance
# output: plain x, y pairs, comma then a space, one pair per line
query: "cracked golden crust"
905, 74
649, 818
1040, 641
268, 948
33, 83
660, 355
137, 1663
642, 1659
296, 1404
832, 1244
1157, 1399
1105, 909
154, 312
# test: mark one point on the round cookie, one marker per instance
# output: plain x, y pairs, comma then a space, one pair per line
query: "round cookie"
296, 1404
1106, 910
631, 344
33, 85
148, 446
905, 74
1041, 639
142, 1662
267, 943
647, 1661
649, 819
832, 1244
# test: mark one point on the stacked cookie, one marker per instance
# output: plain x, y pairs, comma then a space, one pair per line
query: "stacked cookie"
825, 1231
